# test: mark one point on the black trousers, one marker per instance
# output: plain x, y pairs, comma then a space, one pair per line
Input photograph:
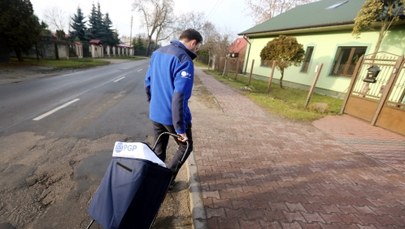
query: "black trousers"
161, 146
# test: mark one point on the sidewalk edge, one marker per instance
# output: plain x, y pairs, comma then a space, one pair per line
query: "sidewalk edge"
199, 217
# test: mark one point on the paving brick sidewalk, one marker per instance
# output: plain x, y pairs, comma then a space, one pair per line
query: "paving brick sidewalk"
382, 145
257, 170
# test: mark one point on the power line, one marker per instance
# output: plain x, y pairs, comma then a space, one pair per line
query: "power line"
215, 6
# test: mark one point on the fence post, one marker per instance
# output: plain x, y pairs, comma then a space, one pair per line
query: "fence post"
311, 91
352, 83
224, 71
251, 72
273, 67
237, 69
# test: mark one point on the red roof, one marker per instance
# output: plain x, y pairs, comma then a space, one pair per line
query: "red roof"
238, 45
95, 42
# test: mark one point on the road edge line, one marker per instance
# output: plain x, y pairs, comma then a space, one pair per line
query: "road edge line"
44, 115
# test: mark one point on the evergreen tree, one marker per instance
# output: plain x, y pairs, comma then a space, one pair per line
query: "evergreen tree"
139, 46
19, 27
116, 38
95, 30
90, 33
108, 36
78, 25
100, 27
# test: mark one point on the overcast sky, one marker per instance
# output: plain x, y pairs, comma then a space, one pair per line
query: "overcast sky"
227, 15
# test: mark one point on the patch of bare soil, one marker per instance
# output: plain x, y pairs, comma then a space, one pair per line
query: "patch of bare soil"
39, 186
49, 182
203, 95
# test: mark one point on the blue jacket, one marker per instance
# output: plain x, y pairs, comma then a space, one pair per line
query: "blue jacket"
169, 83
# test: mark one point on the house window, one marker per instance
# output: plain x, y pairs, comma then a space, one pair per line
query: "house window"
346, 59
307, 59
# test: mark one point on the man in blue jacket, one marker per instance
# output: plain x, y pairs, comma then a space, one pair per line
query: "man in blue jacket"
168, 84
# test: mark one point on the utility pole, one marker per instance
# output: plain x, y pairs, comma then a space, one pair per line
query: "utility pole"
130, 34
131, 49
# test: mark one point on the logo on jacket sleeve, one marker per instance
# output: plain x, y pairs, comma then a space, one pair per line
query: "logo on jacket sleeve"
185, 74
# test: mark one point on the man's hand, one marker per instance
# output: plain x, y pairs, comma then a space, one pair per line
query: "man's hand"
182, 137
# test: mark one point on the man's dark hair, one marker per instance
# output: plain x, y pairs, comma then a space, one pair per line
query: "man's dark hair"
191, 34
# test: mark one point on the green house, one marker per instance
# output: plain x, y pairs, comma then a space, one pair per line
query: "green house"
324, 28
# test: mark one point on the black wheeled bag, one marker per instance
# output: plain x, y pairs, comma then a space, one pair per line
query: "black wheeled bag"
132, 189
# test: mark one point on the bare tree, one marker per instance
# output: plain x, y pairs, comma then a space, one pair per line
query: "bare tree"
215, 43
195, 20
55, 18
210, 35
165, 29
157, 15
262, 10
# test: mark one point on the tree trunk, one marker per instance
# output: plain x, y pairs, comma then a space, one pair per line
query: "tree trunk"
19, 54
36, 51
381, 35
149, 45
56, 51
281, 79
4, 50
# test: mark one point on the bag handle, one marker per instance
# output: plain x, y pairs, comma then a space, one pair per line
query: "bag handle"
175, 136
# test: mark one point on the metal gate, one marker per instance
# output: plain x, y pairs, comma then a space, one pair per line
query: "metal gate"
377, 91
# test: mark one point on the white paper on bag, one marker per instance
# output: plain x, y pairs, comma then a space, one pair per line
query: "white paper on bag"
136, 150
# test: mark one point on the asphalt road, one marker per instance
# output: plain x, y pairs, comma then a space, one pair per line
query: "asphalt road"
56, 140
89, 103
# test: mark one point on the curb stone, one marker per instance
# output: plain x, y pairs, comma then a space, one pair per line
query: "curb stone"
199, 218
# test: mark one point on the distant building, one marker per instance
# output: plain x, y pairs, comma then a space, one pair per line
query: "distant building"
325, 30
238, 48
